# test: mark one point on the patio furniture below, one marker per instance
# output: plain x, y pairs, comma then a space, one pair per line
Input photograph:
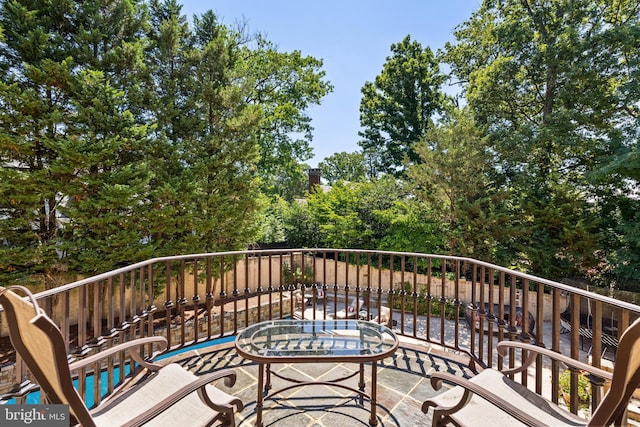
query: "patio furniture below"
351, 311
494, 399
310, 296
609, 331
384, 317
492, 317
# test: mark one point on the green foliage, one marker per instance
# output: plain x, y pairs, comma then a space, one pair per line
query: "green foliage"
554, 84
409, 228
283, 85
68, 137
455, 177
128, 133
343, 167
425, 306
272, 221
336, 213
375, 214
399, 106
295, 275
300, 229
584, 387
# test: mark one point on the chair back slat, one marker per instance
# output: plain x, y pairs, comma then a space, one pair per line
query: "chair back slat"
626, 378
41, 345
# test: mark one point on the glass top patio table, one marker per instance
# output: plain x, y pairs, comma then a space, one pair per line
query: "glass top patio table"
316, 341
293, 341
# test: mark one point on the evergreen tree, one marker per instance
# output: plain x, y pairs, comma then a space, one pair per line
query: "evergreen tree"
37, 73
454, 179
107, 197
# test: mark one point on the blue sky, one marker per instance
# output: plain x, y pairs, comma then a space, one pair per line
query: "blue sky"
352, 37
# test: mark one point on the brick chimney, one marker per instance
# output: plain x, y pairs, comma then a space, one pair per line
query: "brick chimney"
314, 178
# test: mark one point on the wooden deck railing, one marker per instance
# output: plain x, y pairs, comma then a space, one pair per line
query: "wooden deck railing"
195, 298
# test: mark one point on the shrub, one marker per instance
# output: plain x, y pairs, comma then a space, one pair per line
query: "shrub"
424, 306
584, 387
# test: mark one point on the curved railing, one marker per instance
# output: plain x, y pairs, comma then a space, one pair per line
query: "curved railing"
458, 304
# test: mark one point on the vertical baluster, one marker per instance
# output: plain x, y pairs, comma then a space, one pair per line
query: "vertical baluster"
112, 333
270, 288
195, 299
456, 306
415, 296
539, 336
335, 283
555, 339
357, 289
81, 338
235, 293
473, 309
182, 300
151, 307
168, 303
443, 299
429, 298
501, 314
324, 284
259, 289
512, 326
368, 290
247, 290
209, 296
123, 324
390, 288
223, 297
402, 293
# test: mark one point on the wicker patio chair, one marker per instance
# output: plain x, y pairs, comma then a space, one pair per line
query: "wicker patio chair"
491, 398
153, 395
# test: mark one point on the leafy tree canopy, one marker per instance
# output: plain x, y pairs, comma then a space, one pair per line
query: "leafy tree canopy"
343, 167
553, 82
399, 106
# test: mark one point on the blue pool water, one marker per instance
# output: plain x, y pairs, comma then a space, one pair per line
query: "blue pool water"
34, 397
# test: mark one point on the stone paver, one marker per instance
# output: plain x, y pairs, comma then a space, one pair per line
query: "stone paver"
403, 384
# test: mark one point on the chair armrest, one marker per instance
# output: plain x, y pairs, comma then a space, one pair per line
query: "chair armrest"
197, 384
469, 390
131, 346
535, 350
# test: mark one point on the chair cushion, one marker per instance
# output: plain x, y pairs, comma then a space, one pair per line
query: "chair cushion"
480, 412
191, 410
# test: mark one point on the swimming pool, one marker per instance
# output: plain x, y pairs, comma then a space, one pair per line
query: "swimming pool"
34, 397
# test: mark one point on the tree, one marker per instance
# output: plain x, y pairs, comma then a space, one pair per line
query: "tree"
343, 167
550, 80
283, 86
107, 192
336, 214
619, 266
126, 133
34, 92
454, 179
300, 229
376, 214
399, 106
209, 141
106, 198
